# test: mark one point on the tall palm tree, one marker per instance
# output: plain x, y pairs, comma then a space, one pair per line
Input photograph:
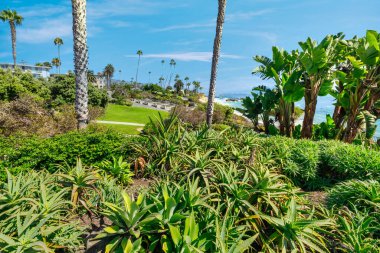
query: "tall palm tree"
187, 83
56, 63
149, 75
172, 64
197, 86
163, 67
80, 61
91, 78
14, 19
215, 59
139, 53
59, 42
109, 71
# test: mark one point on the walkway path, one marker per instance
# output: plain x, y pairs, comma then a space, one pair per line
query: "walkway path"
119, 123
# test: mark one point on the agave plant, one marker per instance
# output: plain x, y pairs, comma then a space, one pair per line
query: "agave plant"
118, 169
355, 231
80, 180
294, 231
125, 233
14, 193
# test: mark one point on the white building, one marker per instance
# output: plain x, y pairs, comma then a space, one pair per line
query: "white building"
36, 71
100, 82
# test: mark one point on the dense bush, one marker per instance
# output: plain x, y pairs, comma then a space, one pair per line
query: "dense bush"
343, 161
15, 85
93, 146
28, 116
197, 116
62, 91
364, 194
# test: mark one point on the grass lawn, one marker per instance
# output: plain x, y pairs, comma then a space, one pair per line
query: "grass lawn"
123, 129
123, 113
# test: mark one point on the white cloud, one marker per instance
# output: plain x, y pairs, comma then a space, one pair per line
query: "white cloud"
39, 11
111, 8
188, 56
46, 30
185, 26
247, 15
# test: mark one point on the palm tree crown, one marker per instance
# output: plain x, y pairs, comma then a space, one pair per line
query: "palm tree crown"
109, 71
59, 42
14, 19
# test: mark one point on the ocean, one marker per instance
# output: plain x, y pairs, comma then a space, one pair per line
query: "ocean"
325, 106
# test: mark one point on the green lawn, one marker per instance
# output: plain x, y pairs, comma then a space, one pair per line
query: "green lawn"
123, 113
123, 129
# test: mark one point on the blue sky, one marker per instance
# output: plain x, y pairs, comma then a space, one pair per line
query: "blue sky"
183, 30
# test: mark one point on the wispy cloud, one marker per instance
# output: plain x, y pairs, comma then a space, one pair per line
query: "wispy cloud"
39, 11
185, 26
188, 56
212, 23
112, 8
269, 36
247, 15
186, 42
3, 54
47, 30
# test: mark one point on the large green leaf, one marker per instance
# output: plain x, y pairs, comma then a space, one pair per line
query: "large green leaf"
326, 88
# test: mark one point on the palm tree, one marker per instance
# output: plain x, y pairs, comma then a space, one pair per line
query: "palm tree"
161, 80
149, 75
80, 61
139, 53
14, 19
91, 78
172, 64
56, 63
109, 71
163, 67
215, 59
187, 83
197, 86
59, 42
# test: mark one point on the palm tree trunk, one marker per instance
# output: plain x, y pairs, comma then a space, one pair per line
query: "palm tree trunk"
13, 35
59, 57
215, 59
80, 61
137, 72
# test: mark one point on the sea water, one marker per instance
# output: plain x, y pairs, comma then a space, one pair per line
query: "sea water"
325, 106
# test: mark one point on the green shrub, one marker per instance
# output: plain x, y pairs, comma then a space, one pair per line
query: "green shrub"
92, 146
341, 161
365, 194
298, 159
220, 127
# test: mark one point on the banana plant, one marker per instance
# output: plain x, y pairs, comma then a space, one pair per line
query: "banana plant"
317, 62
358, 90
283, 69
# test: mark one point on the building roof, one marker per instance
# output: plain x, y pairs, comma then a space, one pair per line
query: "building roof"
25, 65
